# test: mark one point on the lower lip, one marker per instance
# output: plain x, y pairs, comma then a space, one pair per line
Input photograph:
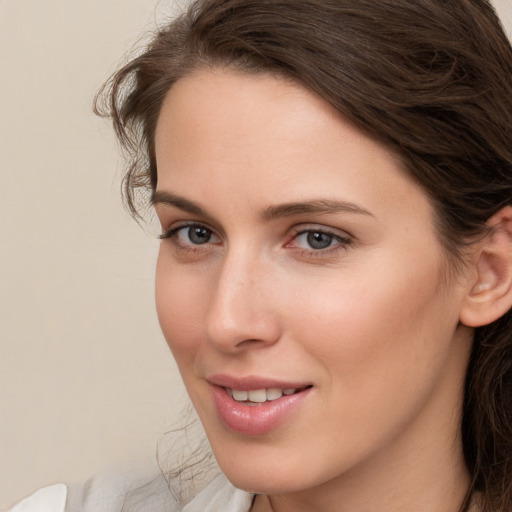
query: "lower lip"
259, 419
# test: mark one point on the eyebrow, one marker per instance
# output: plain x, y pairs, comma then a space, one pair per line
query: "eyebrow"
164, 197
316, 206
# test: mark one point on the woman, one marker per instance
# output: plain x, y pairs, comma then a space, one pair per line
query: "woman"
334, 184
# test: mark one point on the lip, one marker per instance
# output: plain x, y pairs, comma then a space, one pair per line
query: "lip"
253, 382
260, 419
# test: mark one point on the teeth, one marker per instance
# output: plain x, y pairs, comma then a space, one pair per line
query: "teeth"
259, 395
240, 396
274, 393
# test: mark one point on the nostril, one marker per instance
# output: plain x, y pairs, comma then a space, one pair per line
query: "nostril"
248, 342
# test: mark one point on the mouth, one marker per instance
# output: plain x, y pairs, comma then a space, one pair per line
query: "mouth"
254, 406
255, 397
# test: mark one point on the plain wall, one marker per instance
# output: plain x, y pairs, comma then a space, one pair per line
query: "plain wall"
86, 380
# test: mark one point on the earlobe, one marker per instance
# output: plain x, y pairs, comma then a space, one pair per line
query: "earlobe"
490, 294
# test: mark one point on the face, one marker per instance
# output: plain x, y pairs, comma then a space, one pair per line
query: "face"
300, 286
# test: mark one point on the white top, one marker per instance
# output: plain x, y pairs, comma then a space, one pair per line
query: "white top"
48, 499
218, 496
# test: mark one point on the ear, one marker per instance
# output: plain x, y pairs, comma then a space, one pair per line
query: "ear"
490, 292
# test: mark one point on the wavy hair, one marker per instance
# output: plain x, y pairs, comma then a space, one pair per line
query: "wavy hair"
430, 79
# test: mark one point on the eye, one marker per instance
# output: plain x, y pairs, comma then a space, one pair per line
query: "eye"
195, 234
191, 234
317, 240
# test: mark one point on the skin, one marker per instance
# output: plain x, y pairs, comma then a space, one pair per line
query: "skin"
371, 320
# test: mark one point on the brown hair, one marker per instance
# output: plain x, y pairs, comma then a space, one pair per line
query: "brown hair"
431, 79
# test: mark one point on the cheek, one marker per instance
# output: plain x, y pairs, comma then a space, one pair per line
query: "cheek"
180, 301
383, 325
381, 346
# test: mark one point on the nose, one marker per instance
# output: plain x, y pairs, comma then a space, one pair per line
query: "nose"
242, 312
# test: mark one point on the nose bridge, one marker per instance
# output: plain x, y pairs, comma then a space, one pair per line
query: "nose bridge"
239, 310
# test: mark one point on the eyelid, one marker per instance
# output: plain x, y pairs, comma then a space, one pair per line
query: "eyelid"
320, 228
344, 240
341, 238
177, 226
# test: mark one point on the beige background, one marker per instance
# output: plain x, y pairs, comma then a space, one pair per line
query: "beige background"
86, 380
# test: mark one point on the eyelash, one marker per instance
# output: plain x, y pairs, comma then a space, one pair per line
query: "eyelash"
341, 243
173, 232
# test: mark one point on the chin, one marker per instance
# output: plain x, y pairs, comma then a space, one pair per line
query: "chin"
265, 473
263, 481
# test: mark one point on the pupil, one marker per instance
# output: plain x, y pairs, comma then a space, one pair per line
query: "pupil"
199, 235
318, 240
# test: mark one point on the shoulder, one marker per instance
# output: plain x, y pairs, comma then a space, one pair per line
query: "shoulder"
135, 491
109, 492
48, 499
115, 492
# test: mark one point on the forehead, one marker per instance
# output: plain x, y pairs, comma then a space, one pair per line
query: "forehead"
263, 139
244, 107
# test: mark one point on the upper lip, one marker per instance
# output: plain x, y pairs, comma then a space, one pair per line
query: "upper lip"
250, 382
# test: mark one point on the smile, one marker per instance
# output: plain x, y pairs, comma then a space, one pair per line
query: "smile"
260, 396
254, 406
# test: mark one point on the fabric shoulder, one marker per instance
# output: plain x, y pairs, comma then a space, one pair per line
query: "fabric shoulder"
117, 492
47, 499
136, 491
220, 495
